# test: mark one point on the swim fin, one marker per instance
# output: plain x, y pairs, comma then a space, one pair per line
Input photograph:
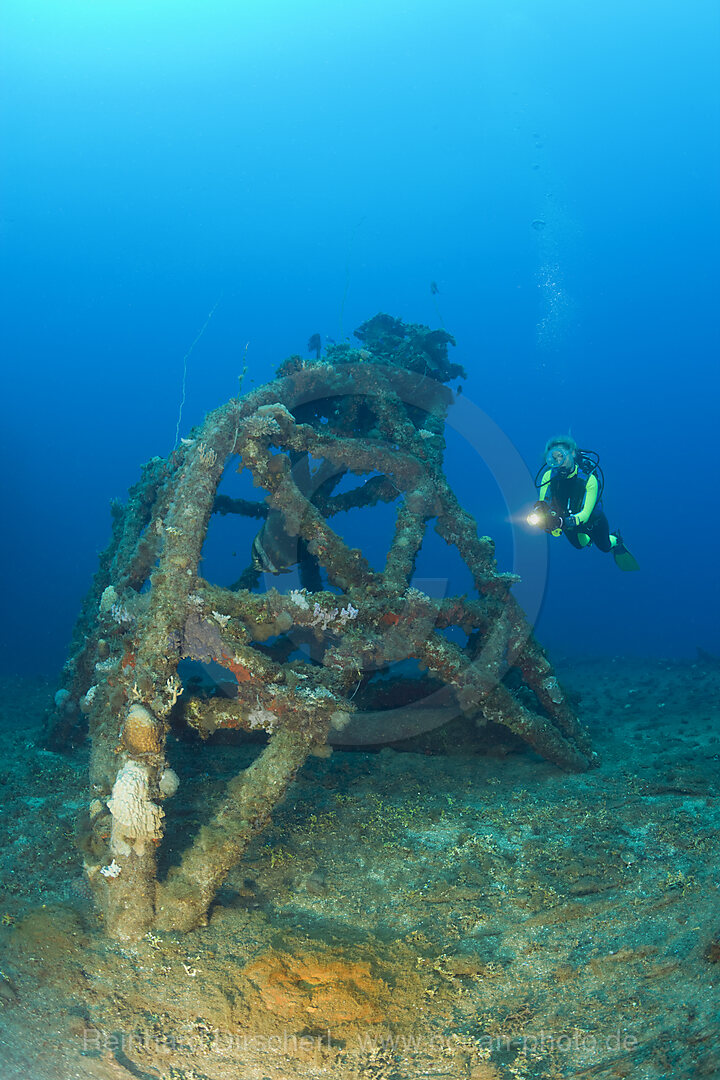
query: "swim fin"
623, 558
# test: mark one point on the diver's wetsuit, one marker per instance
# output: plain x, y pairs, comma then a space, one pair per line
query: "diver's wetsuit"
577, 493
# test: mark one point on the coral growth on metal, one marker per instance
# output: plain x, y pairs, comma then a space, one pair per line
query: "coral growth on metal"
376, 412
302, 658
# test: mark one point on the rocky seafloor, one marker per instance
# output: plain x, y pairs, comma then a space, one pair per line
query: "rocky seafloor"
456, 912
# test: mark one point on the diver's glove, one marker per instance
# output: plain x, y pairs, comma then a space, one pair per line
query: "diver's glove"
571, 521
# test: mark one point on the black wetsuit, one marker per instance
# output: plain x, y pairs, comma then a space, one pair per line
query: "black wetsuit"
566, 496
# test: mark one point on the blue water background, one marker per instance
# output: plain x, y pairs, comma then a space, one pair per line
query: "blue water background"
552, 166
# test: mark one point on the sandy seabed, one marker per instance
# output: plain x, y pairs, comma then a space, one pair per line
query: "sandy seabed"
465, 914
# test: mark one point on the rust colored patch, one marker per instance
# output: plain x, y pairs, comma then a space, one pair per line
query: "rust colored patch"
316, 990
231, 722
390, 619
240, 672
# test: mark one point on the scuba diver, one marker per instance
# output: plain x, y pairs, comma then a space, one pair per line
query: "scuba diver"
571, 485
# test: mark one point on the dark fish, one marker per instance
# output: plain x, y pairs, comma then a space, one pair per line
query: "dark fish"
315, 345
273, 550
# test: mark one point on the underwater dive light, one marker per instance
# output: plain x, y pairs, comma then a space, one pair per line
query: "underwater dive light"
542, 516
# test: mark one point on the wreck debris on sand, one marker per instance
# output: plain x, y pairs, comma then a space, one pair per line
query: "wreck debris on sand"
378, 413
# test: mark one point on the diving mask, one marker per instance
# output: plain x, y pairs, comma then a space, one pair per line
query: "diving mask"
559, 457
